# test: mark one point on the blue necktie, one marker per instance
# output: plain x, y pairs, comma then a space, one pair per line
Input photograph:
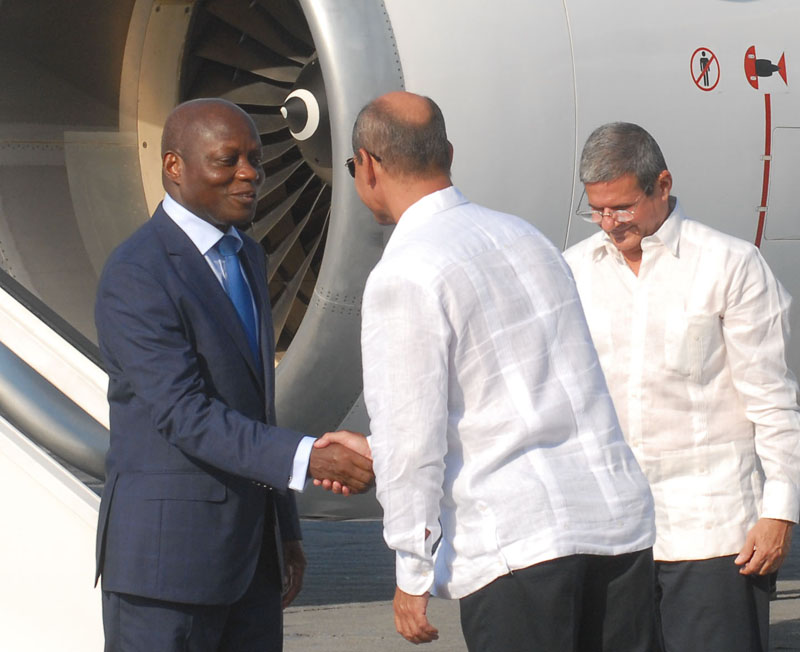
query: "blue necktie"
239, 293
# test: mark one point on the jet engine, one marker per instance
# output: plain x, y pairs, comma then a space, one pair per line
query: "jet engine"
86, 95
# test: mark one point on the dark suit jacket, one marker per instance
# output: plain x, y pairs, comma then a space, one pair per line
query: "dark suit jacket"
192, 425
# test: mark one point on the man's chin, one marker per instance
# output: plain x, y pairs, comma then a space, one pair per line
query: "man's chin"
382, 219
624, 240
240, 222
244, 223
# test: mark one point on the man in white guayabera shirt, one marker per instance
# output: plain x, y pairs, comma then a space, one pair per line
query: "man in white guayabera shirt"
500, 465
691, 328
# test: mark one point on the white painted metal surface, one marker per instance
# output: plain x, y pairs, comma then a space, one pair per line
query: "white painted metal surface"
502, 73
47, 601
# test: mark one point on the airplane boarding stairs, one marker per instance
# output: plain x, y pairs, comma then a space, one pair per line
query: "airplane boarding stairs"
52, 398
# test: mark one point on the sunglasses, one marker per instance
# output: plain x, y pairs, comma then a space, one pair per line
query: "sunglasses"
351, 163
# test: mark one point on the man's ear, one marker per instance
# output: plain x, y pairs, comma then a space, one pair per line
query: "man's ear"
172, 166
368, 165
664, 184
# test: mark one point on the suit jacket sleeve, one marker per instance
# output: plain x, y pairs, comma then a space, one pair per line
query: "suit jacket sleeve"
166, 360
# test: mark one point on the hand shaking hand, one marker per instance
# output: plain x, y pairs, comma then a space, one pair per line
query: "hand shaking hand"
353, 441
341, 461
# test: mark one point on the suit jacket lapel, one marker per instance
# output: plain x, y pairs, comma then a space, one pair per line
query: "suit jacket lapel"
195, 272
254, 260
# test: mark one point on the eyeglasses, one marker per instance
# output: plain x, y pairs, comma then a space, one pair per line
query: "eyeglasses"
596, 216
351, 163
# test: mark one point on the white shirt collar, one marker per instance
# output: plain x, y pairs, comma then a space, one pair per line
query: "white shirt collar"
668, 235
427, 206
203, 234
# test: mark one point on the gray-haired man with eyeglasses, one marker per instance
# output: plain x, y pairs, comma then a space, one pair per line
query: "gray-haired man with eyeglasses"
691, 327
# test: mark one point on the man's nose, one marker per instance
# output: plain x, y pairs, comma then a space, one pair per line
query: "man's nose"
248, 171
609, 215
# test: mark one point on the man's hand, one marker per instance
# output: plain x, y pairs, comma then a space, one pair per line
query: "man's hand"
410, 617
354, 441
294, 561
336, 462
765, 547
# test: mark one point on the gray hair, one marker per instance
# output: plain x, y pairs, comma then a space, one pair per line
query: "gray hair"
404, 147
620, 148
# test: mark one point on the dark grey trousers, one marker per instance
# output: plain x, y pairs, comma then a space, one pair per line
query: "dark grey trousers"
254, 623
580, 603
708, 606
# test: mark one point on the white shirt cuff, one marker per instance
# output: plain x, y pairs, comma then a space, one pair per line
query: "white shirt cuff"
414, 574
297, 480
780, 501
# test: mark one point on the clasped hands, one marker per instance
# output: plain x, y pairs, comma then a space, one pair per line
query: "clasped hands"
341, 462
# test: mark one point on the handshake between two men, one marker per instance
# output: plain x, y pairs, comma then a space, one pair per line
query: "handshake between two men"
341, 462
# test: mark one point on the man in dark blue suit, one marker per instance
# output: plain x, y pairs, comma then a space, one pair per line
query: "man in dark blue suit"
197, 510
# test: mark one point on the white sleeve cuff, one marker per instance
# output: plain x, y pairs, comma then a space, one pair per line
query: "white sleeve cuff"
297, 480
414, 574
780, 501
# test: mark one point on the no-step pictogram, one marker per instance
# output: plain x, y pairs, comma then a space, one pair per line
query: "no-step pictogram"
704, 67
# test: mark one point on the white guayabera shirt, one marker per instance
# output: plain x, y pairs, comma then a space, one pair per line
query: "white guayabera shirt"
491, 422
693, 349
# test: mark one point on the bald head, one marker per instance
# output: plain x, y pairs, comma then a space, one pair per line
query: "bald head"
187, 119
407, 132
406, 107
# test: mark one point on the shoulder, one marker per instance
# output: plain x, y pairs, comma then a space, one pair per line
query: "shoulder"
137, 245
144, 248
713, 244
493, 224
582, 252
463, 232
409, 263
700, 233
733, 266
464, 241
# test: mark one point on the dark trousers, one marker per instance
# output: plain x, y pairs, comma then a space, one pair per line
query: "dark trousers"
254, 623
708, 606
580, 603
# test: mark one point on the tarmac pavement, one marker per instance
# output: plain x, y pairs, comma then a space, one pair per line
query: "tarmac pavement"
349, 560
784, 616
368, 626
